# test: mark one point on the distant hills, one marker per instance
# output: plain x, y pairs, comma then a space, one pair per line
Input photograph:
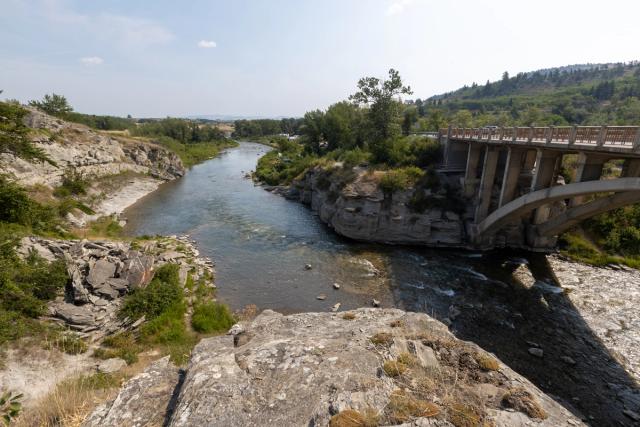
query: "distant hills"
574, 94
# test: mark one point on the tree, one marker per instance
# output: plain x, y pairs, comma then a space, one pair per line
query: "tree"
379, 96
312, 129
53, 104
409, 118
342, 126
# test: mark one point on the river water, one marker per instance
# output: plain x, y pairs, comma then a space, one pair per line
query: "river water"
261, 242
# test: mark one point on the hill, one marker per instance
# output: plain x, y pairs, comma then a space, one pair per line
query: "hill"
583, 94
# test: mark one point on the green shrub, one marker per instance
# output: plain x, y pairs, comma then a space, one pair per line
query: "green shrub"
105, 226
14, 134
17, 207
122, 345
10, 407
400, 179
211, 317
163, 292
73, 183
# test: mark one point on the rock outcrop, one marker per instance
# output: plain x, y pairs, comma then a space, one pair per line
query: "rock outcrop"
387, 366
360, 210
93, 153
101, 272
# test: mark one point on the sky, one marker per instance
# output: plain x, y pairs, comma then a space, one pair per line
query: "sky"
274, 58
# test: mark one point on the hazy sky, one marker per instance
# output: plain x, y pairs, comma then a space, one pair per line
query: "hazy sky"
284, 57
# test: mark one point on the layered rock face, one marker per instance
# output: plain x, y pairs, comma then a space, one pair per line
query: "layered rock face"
312, 369
102, 272
361, 211
93, 153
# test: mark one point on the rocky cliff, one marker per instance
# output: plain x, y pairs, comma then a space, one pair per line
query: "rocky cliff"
357, 208
366, 367
93, 153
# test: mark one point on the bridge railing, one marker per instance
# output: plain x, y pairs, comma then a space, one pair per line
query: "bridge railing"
598, 136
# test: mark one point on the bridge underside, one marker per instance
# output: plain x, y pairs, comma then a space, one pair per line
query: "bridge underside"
518, 196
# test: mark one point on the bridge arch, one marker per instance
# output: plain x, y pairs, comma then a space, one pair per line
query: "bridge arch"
523, 205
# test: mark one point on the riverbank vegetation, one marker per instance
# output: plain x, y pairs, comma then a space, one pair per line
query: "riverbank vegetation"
193, 140
375, 129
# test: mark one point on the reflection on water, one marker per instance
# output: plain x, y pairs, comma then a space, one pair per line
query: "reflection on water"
261, 243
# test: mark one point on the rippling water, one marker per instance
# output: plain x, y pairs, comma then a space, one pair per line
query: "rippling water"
261, 242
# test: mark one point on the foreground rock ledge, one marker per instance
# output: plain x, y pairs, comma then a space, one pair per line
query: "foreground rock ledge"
303, 369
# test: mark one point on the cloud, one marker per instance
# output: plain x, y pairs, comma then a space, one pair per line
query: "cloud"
91, 60
398, 6
207, 44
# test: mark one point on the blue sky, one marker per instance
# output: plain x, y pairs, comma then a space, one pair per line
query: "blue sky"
284, 57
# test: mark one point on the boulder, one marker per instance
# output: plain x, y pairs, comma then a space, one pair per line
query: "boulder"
303, 369
100, 272
137, 269
143, 400
73, 314
112, 365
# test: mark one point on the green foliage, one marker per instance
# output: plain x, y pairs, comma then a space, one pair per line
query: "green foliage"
105, 226
10, 407
265, 127
53, 104
122, 345
100, 122
73, 183
162, 293
17, 207
69, 343
211, 317
400, 179
14, 134
194, 153
25, 286
182, 130
283, 165
383, 110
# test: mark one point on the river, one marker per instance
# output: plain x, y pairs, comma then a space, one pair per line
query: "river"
261, 242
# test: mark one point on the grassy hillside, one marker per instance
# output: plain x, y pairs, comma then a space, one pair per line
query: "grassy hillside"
590, 94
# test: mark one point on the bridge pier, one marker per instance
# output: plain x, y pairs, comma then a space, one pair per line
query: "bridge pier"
547, 163
631, 168
511, 176
489, 170
471, 170
589, 168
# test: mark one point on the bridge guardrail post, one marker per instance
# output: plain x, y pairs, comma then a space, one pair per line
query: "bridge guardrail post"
530, 138
549, 132
572, 135
515, 134
602, 136
636, 144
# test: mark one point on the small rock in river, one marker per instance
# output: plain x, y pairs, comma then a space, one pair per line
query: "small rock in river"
336, 286
568, 360
307, 266
321, 297
631, 414
537, 352
336, 307
454, 312
375, 303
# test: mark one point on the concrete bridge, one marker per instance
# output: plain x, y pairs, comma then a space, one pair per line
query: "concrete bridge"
512, 178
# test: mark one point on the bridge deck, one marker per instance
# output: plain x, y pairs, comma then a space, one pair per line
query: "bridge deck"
605, 139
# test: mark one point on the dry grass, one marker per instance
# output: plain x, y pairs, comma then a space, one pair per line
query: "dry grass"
70, 402
382, 338
394, 368
487, 363
352, 418
464, 415
523, 401
349, 316
403, 407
